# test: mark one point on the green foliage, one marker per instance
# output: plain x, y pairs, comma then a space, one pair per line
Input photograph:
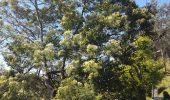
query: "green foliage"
91, 68
20, 87
71, 89
85, 50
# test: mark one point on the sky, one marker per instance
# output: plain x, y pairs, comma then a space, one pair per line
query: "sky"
143, 2
139, 2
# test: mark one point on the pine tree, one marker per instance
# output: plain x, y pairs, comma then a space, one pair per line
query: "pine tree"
85, 50
114, 49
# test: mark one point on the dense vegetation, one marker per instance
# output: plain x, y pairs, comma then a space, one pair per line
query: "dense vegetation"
82, 49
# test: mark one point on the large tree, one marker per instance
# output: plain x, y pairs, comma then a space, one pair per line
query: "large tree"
162, 22
33, 32
89, 49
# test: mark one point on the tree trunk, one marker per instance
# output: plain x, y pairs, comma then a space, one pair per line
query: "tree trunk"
141, 94
63, 68
50, 89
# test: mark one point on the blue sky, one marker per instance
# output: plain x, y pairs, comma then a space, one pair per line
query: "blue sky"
143, 2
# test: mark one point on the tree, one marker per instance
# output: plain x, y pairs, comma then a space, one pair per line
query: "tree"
34, 38
84, 49
162, 23
71, 89
19, 87
114, 50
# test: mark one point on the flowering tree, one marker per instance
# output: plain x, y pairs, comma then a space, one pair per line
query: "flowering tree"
89, 49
